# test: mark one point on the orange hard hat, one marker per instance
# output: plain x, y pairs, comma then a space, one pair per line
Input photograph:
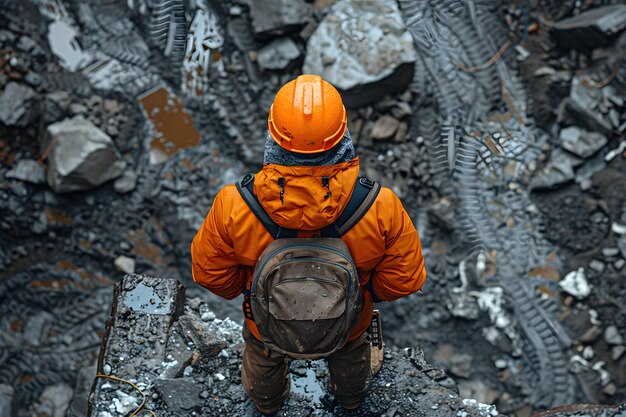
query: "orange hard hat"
307, 115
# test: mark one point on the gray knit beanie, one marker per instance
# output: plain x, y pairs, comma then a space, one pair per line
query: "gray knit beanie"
341, 152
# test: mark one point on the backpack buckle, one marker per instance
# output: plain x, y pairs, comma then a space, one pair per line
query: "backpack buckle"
367, 183
247, 179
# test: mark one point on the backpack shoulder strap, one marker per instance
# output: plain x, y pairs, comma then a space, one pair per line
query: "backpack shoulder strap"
245, 188
363, 196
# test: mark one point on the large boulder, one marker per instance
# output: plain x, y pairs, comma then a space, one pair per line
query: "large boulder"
82, 157
19, 105
363, 49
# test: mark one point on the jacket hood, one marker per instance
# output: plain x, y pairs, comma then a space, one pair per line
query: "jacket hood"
304, 204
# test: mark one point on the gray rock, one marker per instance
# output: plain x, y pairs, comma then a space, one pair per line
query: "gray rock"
82, 157
384, 127
78, 406
19, 105
125, 264
612, 336
7, 401
179, 394
126, 183
580, 108
363, 49
275, 17
581, 142
461, 364
610, 252
278, 54
597, 266
591, 29
617, 352
591, 335
558, 171
619, 264
27, 170
54, 401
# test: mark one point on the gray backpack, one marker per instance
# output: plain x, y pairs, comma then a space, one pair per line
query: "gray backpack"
305, 297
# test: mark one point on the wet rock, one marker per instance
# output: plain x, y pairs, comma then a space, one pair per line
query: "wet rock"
610, 252
27, 170
19, 105
56, 106
208, 343
275, 17
575, 284
180, 395
7, 401
278, 54
581, 142
591, 29
125, 264
82, 157
612, 336
363, 49
126, 183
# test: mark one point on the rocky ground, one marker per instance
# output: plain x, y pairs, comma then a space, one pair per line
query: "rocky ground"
500, 125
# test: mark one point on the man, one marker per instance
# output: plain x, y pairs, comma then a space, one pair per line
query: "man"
308, 176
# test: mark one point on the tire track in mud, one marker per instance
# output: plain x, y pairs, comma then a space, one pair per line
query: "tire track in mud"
475, 148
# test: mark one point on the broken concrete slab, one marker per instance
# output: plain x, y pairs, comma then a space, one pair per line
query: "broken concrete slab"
278, 54
194, 329
19, 105
83, 156
363, 49
591, 29
581, 142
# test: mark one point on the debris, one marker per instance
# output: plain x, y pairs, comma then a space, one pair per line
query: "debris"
581, 142
27, 170
82, 156
181, 395
596, 266
384, 127
591, 335
575, 284
591, 29
126, 182
276, 17
612, 336
460, 364
278, 54
125, 264
363, 49
19, 105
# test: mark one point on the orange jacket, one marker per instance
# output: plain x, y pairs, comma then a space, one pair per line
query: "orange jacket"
384, 244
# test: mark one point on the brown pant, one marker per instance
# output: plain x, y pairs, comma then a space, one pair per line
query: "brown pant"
265, 377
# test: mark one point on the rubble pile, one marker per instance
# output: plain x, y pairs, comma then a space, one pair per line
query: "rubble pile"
500, 125
188, 361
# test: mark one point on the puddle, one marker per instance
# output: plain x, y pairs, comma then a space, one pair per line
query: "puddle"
173, 125
308, 385
146, 300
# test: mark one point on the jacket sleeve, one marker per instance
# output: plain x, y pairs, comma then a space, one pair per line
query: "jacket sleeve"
402, 269
214, 264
